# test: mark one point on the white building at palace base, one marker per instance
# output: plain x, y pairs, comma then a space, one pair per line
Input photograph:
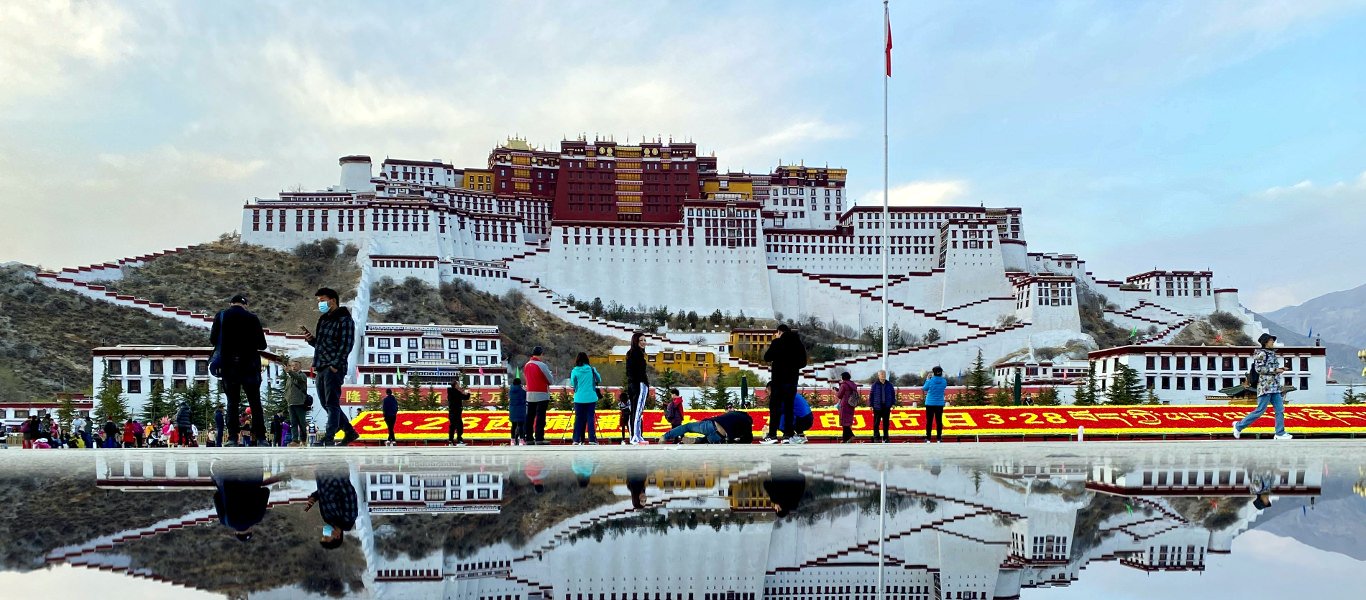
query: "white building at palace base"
139, 369
1193, 374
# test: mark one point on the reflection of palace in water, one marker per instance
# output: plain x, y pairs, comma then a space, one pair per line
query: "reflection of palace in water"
711, 533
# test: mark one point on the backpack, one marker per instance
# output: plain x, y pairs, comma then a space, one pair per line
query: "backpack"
671, 411
1252, 377
216, 359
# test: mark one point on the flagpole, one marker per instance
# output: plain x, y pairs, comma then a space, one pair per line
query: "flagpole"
886, 211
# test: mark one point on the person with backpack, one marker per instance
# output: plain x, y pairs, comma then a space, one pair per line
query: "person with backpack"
637, 385
673, 411
934, 403
184, 425
1265, 376
538, 379
298, 400
585, 379
456, 396
847, 395
881, 398
517, 412
238, 339
625, 417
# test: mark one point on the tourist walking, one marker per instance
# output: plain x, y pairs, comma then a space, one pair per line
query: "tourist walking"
389, 407
538, 378
585, 379
1266, 365
881, 399
456, 397
846, 393
337, 504
786, 356
734, 427
934, 403
517, 412
239, 338
673, 411
331, 348
218, 424
637, 385
298, 401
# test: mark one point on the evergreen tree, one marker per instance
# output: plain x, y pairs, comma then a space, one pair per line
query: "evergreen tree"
373, 397
665, 382
274, 399
979, 380
931, 336
502, 401
1086, 394
562, 400
1153, 399
1047, 397
718, 396
110, 404
410, 397
1001, 397
157, 404
716, 317
66, 411
1125, 388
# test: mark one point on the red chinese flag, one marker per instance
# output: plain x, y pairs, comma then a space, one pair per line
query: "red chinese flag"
889, 46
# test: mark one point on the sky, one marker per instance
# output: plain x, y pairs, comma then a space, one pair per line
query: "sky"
1137, 135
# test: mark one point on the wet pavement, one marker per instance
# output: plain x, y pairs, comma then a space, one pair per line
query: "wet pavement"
914, 521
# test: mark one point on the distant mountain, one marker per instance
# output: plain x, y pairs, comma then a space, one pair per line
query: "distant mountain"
1338, 317
1342, 357
1333, 524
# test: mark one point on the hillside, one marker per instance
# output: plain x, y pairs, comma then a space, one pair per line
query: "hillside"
46, 335
280, 285
1341, 357
1339, 317
522, 325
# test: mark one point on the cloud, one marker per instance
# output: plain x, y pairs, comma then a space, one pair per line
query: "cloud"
920, 193
45, 44
1307, 192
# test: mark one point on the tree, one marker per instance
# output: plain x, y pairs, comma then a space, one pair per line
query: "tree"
716, 317
692, 319
274, 400
1152, 399
931, 336
1125, 388
373, 399
110, 404
895, 338
665, 382
979, 380
1001, 397
1086, 394
1047, 397
718, 397
562, 400
411, 396
501, 402
596, 307
66, 411
1349, 396
157, 405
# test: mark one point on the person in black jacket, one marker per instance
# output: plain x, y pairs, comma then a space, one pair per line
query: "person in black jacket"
455, 411
637, 385
337, 504
785, 486
331, 354
787, 355
239, 337
734, 427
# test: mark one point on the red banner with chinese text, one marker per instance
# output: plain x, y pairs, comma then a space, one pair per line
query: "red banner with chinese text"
965, 421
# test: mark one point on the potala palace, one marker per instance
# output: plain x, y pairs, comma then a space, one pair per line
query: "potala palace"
657, 224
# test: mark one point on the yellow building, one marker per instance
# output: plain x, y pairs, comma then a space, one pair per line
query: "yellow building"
703, 363
479, 180
750, 344
729, 183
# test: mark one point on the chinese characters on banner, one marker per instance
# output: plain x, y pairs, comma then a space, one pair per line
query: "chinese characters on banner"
967, 421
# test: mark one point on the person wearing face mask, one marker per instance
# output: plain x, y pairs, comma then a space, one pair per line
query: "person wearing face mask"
331, 349
239, 337
337, 504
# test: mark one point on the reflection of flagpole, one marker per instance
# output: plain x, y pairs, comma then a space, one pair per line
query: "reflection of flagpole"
886, 212
881, 527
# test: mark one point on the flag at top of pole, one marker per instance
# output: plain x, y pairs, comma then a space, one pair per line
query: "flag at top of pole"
888, 19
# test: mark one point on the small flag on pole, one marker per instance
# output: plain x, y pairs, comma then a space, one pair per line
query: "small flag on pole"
889, 45
1133, 333
1311, 333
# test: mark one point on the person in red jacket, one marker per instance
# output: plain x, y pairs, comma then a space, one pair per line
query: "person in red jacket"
673, 411
538, 377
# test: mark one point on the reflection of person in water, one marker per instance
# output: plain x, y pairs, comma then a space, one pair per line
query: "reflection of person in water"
337, 504
635, 482
785, 486
583, 467
242, 496
1261, 481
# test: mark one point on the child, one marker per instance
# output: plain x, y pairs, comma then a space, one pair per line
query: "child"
673, 411
517, 412
624, 403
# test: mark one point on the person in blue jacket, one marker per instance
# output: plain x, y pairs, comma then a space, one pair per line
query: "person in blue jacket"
934, 403
517, 412
881, 398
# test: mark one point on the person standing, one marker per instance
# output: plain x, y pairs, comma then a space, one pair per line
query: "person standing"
934, 403
218, 426
130, 436
584, 379
1267, 366
239, 338
111, 434
296, 398
277, 431
78, 431
881, 399
331, 348
786, 356
456, 396
138, 433
517, 412
847, 395
637, 385
184, 425
801, 409
88, 433
673, 411
538, 378
389, 407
